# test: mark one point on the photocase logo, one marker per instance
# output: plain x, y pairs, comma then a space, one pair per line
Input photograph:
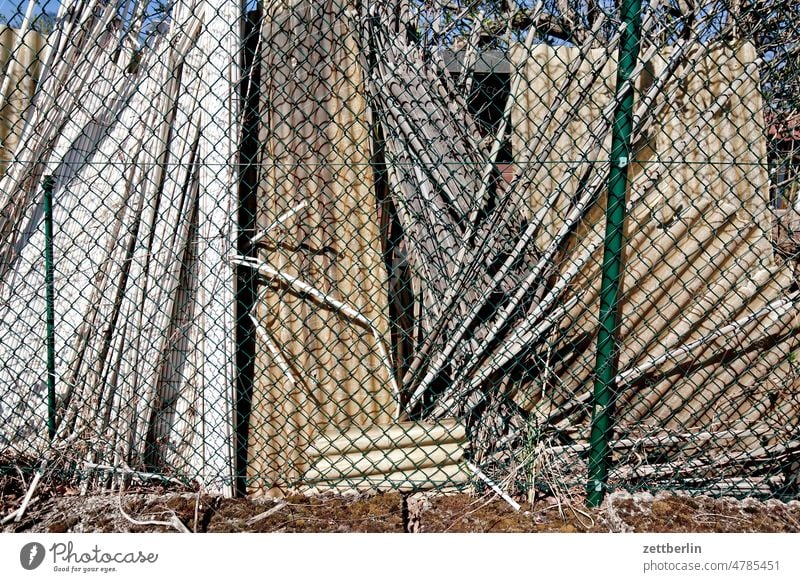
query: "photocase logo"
31, 555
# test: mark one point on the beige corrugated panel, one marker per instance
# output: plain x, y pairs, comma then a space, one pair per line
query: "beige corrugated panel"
25, 73
316, 151
697, 256
400, 456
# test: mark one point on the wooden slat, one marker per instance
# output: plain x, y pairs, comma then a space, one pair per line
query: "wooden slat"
220, 39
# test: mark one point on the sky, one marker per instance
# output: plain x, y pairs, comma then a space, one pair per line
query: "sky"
15, 9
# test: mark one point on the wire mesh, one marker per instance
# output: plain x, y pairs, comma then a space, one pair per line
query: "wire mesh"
352, 244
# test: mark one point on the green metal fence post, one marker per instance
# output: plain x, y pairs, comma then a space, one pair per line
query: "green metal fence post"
246, 279
606, 364
47, 186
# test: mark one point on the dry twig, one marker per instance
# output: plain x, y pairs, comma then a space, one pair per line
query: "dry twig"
265, 514
173, 523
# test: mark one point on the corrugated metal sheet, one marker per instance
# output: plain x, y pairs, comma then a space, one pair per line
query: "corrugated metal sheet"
19, 58
698, 250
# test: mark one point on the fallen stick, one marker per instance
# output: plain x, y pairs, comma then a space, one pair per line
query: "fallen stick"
702, 468
29, 494
525, 240
275, 351
174, 522
9, 517
305, 288
13, 514
553, 294
693, 439
278, 221
264, 515
776, 308
494, 486
196, 511
465, 267
465, 74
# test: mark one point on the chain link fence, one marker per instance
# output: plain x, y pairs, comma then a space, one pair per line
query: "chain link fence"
519, 245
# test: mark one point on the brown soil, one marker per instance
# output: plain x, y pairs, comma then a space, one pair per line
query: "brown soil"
61, 509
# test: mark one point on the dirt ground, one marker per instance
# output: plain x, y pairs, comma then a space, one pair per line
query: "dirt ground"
62, 509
